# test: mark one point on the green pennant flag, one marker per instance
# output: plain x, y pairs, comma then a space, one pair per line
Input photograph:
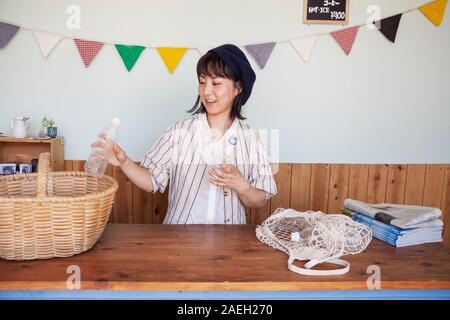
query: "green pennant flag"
129, 54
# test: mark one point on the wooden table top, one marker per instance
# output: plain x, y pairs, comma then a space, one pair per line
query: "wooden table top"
220, 257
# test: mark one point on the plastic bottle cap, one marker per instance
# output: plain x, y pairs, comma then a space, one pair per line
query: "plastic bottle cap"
295, 236
116, 121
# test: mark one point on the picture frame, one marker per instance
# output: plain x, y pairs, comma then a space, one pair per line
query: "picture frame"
7, 168
25, 168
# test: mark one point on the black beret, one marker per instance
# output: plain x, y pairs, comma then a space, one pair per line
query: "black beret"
236, 60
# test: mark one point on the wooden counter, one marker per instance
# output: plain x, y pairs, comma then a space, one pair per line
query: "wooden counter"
200, 257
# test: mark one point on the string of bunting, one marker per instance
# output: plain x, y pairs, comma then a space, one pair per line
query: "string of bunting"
345, 38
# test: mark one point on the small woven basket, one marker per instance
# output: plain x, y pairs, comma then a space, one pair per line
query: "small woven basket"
52, 214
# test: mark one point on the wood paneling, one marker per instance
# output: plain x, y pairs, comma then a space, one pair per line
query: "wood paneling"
78, 165
445, 206
376, 189
123, 205
283, 182
320, 180
415, 181
68, 165
305, 187
396, 183
434, 184
300, 184
159, 208
358, 182
338, 188
142, 206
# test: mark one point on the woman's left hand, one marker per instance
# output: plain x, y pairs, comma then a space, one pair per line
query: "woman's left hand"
228, 176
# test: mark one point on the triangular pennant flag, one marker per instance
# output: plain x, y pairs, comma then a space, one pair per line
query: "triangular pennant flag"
7, 31
389, 26
46, 41
434, 11
129, 54
345, 38
261, 52
171, 56
88, 50
304, 46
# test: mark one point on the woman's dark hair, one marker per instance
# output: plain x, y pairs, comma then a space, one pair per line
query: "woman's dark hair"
212, 65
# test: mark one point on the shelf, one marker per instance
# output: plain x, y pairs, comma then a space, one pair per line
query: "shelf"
14, 150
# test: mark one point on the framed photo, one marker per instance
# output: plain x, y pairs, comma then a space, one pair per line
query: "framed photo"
25, 168
7, 168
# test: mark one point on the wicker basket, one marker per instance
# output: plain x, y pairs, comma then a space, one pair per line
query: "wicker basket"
52, 214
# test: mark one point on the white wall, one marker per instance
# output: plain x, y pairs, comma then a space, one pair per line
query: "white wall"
384, 103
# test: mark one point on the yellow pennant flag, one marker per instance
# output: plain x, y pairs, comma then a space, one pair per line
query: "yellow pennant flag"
171, 56
434, 11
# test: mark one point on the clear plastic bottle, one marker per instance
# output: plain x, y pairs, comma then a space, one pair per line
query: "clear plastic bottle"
96, 164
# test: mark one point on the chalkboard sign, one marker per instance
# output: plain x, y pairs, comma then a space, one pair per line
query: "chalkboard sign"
326, 11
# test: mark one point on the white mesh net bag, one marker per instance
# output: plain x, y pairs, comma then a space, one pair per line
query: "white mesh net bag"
316, 237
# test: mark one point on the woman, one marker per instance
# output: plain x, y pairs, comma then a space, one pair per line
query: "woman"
214, 164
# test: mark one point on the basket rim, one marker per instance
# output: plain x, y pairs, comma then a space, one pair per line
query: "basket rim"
92, 196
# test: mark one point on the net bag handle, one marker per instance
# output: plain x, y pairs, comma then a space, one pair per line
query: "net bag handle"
43, 169
310, 272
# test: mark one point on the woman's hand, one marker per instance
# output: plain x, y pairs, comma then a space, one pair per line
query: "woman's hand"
228, 176
111, 151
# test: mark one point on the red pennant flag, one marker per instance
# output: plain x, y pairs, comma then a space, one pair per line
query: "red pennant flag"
345, 38
389, 26
88, 50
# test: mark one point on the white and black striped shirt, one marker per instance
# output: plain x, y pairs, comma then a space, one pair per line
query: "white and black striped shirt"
181, 159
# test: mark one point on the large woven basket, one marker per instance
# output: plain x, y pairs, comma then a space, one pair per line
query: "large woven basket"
52, 214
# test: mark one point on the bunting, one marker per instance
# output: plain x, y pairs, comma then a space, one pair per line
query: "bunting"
389, 26
434, 11
88, 50
7, 31
171, 56
304, 46
129, 54
46, 41
345, 38
203, 50
261, 52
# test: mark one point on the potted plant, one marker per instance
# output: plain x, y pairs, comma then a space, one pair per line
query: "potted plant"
49, 124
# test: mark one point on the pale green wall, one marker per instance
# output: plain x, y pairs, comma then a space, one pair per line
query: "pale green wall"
384, 103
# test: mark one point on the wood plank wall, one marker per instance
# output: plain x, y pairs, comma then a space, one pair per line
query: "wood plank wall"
309, 187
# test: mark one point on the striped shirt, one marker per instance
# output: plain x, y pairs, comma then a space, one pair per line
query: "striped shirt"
181, 159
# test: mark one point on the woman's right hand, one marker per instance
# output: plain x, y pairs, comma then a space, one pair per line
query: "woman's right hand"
111, 151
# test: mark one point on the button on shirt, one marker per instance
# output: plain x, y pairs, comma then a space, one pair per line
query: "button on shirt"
182, 157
